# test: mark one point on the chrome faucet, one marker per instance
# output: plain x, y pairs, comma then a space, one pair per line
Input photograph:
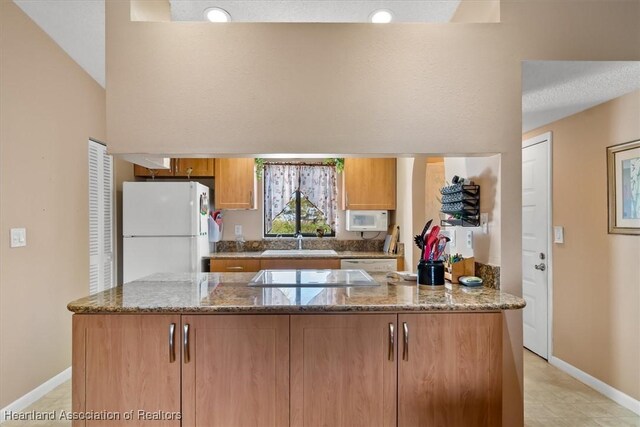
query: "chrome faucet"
298, 237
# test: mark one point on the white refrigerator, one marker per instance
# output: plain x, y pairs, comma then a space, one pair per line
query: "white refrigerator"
164, 228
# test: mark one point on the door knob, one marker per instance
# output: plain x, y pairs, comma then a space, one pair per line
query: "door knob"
540, 266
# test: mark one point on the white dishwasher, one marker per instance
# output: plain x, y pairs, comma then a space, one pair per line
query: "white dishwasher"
370, 264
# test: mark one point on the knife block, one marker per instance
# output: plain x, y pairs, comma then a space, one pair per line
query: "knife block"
465, 267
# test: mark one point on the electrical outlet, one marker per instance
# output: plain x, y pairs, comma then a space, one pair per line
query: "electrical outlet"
238, 230
469, 239
18, 237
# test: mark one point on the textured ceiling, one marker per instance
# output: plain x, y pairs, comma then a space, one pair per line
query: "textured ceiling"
552, 90
77, 26
316, 10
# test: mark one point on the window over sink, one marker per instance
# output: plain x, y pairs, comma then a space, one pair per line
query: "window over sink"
299, 199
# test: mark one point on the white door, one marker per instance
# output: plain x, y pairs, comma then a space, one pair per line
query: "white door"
535, 242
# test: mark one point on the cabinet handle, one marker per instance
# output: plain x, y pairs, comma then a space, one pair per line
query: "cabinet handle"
172, 344
405, 336
235, 268
251, 198
346, 196
185, 343
392, 340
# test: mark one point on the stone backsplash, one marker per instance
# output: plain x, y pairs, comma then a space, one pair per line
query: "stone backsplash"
337, 245
490, 275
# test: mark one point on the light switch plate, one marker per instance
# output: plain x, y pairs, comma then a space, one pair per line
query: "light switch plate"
484, 222
558, 234
18, 237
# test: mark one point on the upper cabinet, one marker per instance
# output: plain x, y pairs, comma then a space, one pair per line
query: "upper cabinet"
235, 184
141, 171
369, 184
196, 168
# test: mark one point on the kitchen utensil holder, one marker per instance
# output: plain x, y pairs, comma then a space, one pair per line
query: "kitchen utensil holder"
464, 267
431, 273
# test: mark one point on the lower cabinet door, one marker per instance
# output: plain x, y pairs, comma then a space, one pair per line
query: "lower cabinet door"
343, 370
235, 370
450, 370
124, 366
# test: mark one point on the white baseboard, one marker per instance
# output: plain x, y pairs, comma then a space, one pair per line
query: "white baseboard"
616, 395
35, 394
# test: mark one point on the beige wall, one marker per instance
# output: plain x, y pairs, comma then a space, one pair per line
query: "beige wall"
596, 290
434, 181
484, 171
150, 10
48, 110
349, 88
404, 211
418, 199
477, 11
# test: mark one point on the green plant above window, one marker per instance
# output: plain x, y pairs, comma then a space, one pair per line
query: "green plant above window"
259, 167
338, 162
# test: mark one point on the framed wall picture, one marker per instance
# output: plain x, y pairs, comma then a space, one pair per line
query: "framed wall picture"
623, 179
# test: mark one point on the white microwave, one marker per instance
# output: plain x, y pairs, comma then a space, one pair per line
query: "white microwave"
367, 220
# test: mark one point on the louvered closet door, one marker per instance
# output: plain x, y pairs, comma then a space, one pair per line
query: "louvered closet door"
101, 257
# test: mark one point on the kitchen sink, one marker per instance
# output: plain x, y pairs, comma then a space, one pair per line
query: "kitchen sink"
299, 252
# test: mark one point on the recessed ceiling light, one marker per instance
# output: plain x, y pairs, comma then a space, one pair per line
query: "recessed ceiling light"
215, 14
381, 16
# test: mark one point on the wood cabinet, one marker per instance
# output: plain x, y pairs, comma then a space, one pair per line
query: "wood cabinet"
125, 363
236, 371
286, 264
235, 184
141, 171
369, 184
407, 370
233, 265
450, 370
343, 370
200, 168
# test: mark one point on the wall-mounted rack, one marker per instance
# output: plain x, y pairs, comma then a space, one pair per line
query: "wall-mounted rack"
460, 205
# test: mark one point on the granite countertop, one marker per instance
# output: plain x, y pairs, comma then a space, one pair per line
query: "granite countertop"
340, 254
229, 293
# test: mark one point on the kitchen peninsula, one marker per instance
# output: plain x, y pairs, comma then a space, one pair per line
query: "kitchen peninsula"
222, 353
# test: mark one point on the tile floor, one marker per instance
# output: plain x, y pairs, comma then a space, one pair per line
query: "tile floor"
552, 399
57, 399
